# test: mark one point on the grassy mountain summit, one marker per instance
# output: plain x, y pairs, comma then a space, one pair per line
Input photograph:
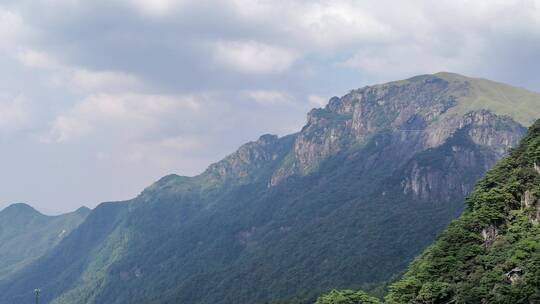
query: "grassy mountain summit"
26, 234
348, 201
491, 254
518, 103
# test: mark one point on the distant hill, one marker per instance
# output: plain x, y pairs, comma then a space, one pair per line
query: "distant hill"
26, 234
347, 202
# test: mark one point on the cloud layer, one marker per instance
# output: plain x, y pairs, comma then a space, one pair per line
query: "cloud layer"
100, 98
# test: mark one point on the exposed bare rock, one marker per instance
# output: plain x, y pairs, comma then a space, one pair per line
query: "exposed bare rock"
514, 275
325, 134
530, 201
489, 234
527, 200
426, 183
535, 217
419, 113
479, 140
537, 168
406, 109
249, 158
497, 133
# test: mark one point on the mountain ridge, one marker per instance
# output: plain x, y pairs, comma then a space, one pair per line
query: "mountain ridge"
279, 208
27, 208
453, 109
26, 234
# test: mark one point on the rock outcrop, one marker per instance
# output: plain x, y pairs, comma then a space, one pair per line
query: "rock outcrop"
420, 113
532, 203
489, 235
478, 140
249, 158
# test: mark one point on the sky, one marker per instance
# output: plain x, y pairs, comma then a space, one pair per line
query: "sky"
100, 98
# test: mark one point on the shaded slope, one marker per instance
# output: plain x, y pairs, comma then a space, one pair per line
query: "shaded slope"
491, 254
26, 234
70, 260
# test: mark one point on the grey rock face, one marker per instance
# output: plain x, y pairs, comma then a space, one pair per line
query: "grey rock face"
483, 139
406, 109
531, 202
243, 164
528, 200
248, 156
418, 115
489, 235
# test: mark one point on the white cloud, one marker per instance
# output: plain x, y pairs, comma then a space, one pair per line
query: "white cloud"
66, 127
35, 59
77, 78
11, 25
413, 37
163, 153
93, 80
253, 57
317, 101
14, 114
405, 60
125, 111
181, 143
322, 25
268, 97
156, 8
337, 24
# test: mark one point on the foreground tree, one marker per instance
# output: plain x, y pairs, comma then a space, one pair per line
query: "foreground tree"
347, 297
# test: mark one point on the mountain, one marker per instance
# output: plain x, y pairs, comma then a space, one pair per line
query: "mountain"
26, 234
491, 254
346, 202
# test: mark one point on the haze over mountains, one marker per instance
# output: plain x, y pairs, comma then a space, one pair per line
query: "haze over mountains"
26, 234
346, 202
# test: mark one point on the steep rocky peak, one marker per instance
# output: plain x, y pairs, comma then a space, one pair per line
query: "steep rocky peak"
249, 163
247, 155
422, 95
249, 159
403, 104
422, 112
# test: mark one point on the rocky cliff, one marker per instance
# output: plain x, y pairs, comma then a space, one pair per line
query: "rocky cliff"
491, 254
419, 113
